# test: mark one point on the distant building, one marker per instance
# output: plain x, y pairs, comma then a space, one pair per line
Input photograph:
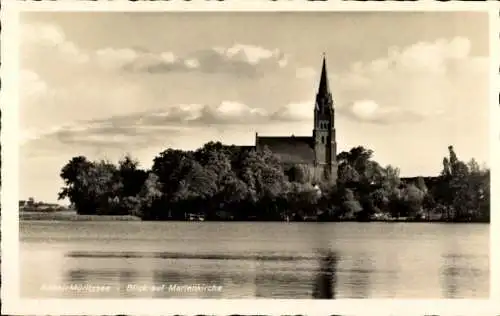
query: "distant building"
31, 205
430, 182
318, 152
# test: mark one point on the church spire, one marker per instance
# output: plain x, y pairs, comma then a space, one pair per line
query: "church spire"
324, 87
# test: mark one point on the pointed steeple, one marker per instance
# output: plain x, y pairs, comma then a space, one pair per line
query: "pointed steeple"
324, 87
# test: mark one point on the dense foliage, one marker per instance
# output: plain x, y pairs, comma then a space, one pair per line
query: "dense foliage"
219, 182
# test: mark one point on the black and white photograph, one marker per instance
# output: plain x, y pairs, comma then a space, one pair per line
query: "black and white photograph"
246, 155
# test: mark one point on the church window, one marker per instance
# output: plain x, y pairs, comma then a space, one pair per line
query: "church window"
322, 139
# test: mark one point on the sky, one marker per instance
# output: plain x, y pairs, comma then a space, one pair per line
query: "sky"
406, 85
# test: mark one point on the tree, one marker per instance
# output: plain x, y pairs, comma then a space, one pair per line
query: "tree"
103, 185
473, 167
356, 157
302, 198
421, 185
353, 164
463, 188
74, 175
453, 157
198, 183
151, 192
446, 172
347, 175
171, 166
357, 171
380, 200
350, 206
230, 182
301, 173
263, 174
413, 198
132, 179
356, 168
232, 190
484, 195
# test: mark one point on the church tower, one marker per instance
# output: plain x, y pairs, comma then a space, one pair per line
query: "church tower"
325, 144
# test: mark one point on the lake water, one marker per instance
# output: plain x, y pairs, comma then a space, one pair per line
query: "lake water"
247, 260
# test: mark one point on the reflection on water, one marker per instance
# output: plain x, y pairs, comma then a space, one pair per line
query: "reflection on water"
359, 277
458, 272
212, 260
326, 278
254, 278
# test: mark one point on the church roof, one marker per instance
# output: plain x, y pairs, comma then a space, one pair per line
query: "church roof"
291, 149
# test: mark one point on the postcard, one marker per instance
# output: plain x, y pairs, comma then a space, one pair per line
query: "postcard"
234, 157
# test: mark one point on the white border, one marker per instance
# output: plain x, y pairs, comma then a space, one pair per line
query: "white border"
12, 304
495, 153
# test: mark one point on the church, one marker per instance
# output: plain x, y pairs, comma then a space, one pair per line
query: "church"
317, 153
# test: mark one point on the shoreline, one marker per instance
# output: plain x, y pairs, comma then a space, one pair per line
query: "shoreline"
73, 217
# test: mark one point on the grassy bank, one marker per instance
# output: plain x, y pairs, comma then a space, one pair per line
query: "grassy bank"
72, 216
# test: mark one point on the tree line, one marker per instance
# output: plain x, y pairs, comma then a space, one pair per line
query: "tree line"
218, 182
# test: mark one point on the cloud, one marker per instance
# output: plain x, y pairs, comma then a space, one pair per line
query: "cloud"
143, 129
228, 112
75, 83
249, 53
47, 34
412, 84
44, 107
44, 39
33, 85
105, 136
48, 38
239, 59
101, 84
107, 98
192, 63
370, 112
367, 93
149, 128
115, 58
300, 111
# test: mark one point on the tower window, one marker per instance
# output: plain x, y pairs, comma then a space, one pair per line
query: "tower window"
322, 139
